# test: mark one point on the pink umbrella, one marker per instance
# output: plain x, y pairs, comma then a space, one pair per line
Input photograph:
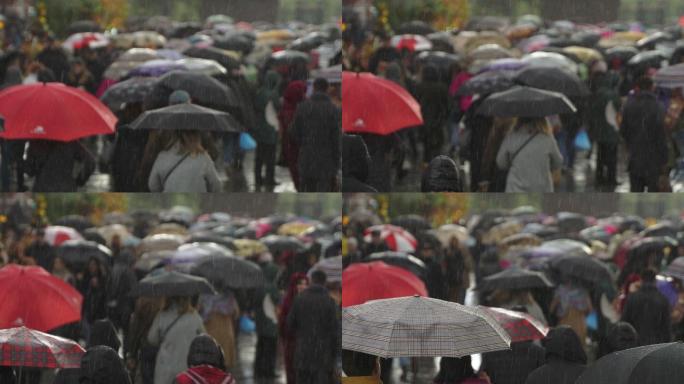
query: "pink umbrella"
397, 238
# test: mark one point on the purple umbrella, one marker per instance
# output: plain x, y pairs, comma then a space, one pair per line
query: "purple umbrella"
170, 54
156, 68
504, 65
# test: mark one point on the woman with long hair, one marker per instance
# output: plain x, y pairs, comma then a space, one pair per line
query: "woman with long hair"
530, 154
298, 283
294, 94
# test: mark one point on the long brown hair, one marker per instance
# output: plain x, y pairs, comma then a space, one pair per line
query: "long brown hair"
533, 125
189, 142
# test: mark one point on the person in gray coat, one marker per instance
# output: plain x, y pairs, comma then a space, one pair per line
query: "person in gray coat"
530, 154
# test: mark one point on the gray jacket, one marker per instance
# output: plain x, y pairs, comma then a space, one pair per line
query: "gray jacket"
195, 174
531, 169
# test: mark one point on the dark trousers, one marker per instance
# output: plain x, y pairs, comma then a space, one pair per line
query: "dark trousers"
641, 183
319, 376
316, 185
265, 157
266, 353
606, 163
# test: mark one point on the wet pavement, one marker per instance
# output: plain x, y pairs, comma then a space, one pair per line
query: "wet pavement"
244, 372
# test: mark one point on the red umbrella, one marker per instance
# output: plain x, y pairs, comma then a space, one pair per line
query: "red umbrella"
53, 111
363, 282
520, 326
374, 105
397, 238
32, 297
24, 347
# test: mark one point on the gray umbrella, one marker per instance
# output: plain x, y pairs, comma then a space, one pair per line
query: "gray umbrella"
182, 117
172, 284
526, 102
230, 272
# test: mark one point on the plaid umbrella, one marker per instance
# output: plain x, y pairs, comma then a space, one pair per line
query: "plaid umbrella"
397, 238
519, 326
420, 327
515, 278
24, 347
332, 267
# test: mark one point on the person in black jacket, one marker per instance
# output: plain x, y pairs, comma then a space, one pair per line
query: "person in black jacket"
619, 336
355, 165
102, 365
648, 311
41, 251
565, 358
442, 175
317, 131
54, 58
435, 105
102, 334
53, 164
313, 320
643, 129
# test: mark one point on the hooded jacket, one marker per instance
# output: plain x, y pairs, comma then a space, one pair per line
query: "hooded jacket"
565, 358
206, 362
264, 132
102, 365
442, 175
355, 165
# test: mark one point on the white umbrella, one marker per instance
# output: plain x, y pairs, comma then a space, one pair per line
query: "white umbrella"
420, 327
332, 267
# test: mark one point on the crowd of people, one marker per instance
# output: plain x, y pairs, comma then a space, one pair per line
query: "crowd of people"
279, 84
600, 285
619, 113
143, 318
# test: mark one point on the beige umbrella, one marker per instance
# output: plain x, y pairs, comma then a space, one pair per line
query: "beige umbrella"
170, 228
161, 242
109, 231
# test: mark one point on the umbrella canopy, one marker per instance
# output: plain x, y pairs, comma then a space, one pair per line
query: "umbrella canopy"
490, 52
332, 266
211, 237
399, 110
526, 102
139, 55
676, 268
647, 59
568, 246
230, 272
249, 247
582, 268
551, 59
377, 280
658, 244
152, 260
131, 91
515, 278
504, 65
447, 231
77, 253
161, 242
203, 66
586, 55
412, 43
189, 255
656, 363
173, 284
401, 260
552, 79
181, 117
289, 57
309, 42
420, 327
24, 347
442, 60
85, 40
30, 113
57, 234
108, 232
621, 53
396, 238
226, 58
487, 83
120, 69
30, 296
670, 77
156, 68
276, 243
519, 326
203, 90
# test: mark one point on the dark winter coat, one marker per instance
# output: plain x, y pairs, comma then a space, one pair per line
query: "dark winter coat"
56, 60
102, 365
313, 321
649, 313
381, 149
565, 358
356, 164
265, 325
514, 365
53, 164
43, 253
642, 126
605, 91
442, 175
268, 94
129, 149
317, 131
435, 104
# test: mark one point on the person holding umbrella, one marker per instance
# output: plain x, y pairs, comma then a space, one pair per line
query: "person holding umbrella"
265, 132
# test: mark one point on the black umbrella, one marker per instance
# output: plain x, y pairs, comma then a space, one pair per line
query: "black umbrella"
655, 363
133, 90
235, 42
77, 222
657, 244
647, 59
288, 57
622, 53
515, 278
230, 272
526, 102
278, 244
487, 83
415, 27
582, 268
222, 57
571, 221
92, 234
185, 30
309, 42
77, 253
152, 260
187, 117
439, 59
587, 39
660, 229
649, 42
401, 260
173, 284
552, 79
412, 223
204, 90
441, 41
212, 237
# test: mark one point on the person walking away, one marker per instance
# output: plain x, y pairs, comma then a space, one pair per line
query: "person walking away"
41, 251
642, 127
80, 77
266, 130
119, 286
648, 311
435, 105
55, 59
619, 336
53, 165
102, 365
602, 118
92, 286
458, 371
571, 304
458, 265
565, 358
298, 283
512, 366
293, 95
318, 133
172, 331
220, 314
356, 163
206, 364
313, 321
266, 320
140, 354
530, 154
442, 175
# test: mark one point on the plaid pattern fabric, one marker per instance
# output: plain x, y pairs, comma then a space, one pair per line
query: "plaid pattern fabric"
420, 327
24, 347
397, 238
519, 326
332, 267
676, 268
